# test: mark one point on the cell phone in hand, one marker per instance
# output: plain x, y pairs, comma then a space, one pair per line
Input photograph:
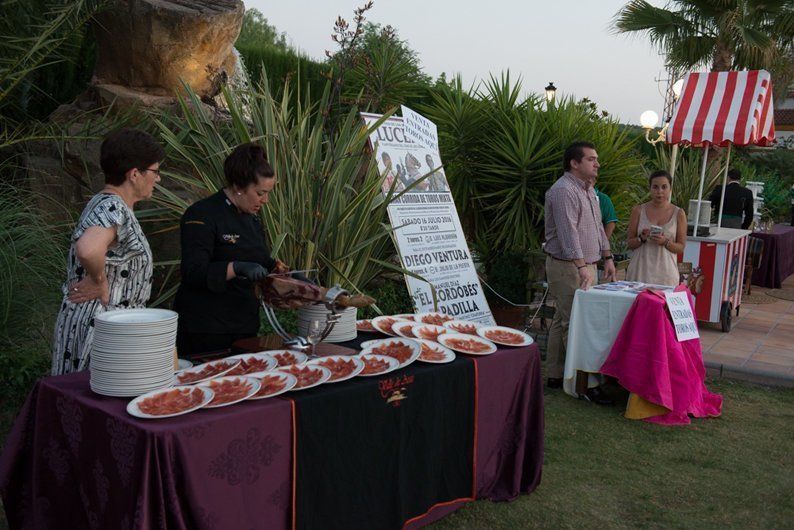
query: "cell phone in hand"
656, 230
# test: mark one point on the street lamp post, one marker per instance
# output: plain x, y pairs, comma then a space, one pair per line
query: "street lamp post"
649, 119
551, 91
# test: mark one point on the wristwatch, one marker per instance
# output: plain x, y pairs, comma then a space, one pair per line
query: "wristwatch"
609, 257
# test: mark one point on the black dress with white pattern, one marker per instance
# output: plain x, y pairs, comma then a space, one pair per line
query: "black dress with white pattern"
128, 267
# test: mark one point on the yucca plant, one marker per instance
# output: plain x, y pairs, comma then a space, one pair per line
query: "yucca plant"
460, 117
32, 261
620, 175
327, 211
502, 151
515, 166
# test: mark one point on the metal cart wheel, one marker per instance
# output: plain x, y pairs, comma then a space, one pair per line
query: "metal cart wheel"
725, 316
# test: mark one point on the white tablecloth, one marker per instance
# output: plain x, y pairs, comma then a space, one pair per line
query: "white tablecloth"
596, 318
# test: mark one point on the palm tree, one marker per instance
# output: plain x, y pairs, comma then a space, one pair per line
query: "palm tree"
722, 34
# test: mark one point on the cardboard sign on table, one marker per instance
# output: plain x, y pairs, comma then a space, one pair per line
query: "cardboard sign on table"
683, 319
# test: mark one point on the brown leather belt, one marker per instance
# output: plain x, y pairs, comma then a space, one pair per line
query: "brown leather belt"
570, 260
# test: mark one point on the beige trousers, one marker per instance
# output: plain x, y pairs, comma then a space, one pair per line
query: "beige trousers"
563, 278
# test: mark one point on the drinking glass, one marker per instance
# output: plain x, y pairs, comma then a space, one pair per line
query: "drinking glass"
314, 335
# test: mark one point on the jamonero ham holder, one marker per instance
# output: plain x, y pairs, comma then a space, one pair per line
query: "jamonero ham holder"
280, 290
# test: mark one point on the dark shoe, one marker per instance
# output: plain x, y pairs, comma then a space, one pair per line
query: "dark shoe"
598, 396
554, 382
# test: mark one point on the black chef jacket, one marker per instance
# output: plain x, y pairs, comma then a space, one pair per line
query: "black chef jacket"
214, 233
738, 202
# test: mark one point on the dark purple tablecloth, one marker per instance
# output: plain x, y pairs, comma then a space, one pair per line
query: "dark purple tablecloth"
777, 260
78, 460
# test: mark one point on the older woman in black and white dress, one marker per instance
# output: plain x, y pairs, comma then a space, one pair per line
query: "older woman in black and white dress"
110, 263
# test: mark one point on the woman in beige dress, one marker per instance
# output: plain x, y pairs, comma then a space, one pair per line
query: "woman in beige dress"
655, 253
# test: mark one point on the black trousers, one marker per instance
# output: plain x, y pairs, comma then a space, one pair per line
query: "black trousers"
189, 345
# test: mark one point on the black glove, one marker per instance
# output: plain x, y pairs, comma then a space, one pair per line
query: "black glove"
247, 269
299, 276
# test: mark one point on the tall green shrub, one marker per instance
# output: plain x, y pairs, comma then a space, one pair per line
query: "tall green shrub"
46, 54
32, 267
280, 66
327, 210
502, 151
769, 167
384, 71
257, 31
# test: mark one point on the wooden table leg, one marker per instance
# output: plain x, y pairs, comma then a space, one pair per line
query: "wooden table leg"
581, 381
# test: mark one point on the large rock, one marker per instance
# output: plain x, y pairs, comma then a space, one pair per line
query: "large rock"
152, 46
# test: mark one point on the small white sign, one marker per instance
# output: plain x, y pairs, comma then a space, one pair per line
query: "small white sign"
420, 129
683, 319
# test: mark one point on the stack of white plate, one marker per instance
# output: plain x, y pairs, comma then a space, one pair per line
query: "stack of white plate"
344, 330
133, 351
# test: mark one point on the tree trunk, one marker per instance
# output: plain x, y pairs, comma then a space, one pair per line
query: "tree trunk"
723, 57
722, 62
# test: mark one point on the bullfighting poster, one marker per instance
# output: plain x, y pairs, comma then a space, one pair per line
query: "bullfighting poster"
430, 238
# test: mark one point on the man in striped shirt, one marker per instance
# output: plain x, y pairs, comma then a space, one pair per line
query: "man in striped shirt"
575, 242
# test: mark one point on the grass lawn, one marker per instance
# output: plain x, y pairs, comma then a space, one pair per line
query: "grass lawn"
605, 471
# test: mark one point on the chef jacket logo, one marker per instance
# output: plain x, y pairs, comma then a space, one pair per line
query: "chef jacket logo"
231, 238
394, 389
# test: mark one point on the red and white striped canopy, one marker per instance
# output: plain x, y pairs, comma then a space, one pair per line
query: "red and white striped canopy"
724, 107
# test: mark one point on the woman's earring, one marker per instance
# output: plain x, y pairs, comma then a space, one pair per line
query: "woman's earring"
237, 193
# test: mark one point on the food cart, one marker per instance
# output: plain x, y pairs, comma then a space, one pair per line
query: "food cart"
719, 109
720, 258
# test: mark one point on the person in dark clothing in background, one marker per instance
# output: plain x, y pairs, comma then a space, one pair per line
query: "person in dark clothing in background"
609, 217
738, 209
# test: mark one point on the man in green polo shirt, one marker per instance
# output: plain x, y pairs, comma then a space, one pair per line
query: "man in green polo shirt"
608, 216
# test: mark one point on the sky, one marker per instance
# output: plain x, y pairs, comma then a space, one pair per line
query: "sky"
565, 41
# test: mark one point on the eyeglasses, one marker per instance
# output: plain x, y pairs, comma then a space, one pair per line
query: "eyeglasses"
155, 171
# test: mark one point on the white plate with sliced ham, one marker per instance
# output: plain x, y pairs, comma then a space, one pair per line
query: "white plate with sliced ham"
505, 336
365, 324
433, 317
404, 350
206, 371
252, 362
308, 375
463, 326
273, 383
433, 352
469, 344
377, 364
231, 389
343, 367
170, 402
287, 357
428, 331
403, 329
384, 324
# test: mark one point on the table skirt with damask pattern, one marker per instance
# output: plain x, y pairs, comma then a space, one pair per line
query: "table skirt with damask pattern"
78, 460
